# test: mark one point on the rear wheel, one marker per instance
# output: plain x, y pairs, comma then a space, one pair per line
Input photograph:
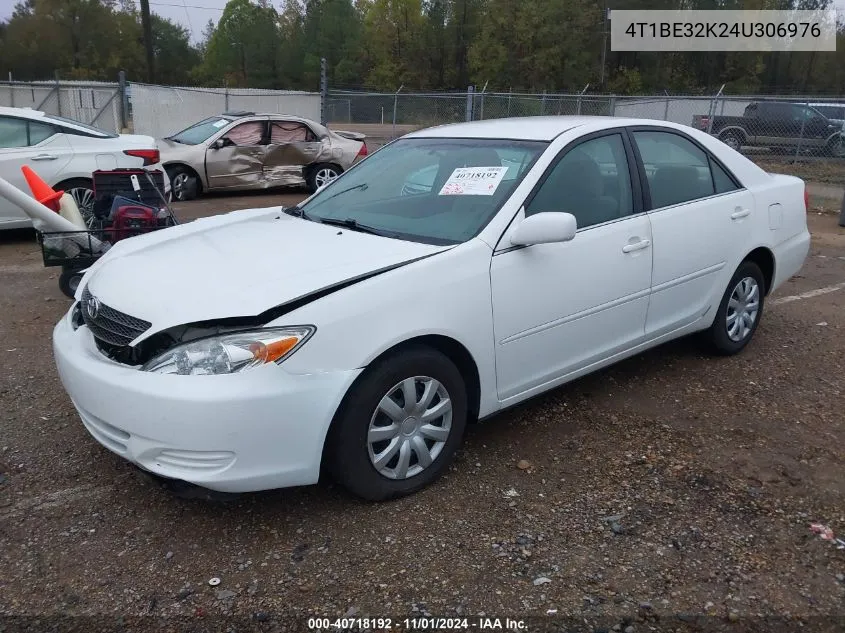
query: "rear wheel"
82, 192
732, 140
836, 147
400, 426
320, 175
184, 184
739, 311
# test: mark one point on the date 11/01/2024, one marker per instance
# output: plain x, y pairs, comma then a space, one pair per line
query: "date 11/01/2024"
416, 624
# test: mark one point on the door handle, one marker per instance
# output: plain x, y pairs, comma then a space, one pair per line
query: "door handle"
636, 246
740, 213
45, 157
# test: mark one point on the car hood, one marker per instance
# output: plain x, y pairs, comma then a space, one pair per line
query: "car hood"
236, 265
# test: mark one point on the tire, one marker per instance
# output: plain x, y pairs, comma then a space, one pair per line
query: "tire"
184, 184
82, 192
732, 140
725, 338
836, 147
69, 282
320, 174
351, 457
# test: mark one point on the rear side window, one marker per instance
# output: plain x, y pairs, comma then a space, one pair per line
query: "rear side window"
16, 132
721, 180
39, 132
289, 132
678, 170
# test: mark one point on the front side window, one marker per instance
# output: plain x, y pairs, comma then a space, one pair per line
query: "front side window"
677, 170
432, 190
591, 181
247, 134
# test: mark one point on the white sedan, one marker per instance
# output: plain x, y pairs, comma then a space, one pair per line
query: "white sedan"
64, 153
455, 272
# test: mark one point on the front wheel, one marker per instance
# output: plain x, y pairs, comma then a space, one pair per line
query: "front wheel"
69, 282
400, 426
739, 311
320, 175
184, 184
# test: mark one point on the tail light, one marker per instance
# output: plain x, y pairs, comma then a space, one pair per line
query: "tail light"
704, 122
363, 151
150, 156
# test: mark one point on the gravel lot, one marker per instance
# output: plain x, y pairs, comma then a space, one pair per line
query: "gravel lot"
673, 484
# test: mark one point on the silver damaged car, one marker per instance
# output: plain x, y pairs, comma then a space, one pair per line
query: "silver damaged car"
239, 151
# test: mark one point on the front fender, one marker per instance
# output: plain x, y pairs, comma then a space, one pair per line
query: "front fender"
447, 294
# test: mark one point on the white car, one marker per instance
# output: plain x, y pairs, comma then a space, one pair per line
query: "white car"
362, 330
64, 153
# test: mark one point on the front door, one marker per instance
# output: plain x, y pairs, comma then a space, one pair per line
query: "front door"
559, 308
240, 162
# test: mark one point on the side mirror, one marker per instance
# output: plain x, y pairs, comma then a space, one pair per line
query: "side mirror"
221, 143
545, 228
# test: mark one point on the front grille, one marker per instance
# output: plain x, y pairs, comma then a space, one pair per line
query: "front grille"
112, 326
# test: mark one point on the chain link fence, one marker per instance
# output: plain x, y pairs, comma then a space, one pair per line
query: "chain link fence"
94, 103
800, 127
163, 110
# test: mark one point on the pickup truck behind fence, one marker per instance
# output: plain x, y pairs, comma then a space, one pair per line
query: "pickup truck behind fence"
777, 125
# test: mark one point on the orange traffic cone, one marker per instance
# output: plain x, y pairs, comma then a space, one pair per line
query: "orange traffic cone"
41, 191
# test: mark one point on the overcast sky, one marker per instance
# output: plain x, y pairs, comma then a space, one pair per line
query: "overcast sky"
193, 14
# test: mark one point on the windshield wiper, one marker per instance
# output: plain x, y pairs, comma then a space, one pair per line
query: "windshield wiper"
354, 225
296, 211
362, 186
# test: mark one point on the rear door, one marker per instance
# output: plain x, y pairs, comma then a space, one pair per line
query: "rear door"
701, 220
292, 147
240, 162
41, 146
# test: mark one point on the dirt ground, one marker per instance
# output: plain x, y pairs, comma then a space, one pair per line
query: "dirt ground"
673, 491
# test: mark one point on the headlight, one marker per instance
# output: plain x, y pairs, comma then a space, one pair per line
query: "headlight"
230, 353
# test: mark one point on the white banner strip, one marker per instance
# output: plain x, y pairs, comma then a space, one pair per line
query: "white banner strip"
723, 30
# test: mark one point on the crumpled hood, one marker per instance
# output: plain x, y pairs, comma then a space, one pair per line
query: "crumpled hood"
235, 265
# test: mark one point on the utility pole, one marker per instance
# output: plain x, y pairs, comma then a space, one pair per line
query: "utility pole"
147, 26
605, 16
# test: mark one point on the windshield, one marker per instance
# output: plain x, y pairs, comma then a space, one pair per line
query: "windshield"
79, 124
201, 131
831, 112
433, 190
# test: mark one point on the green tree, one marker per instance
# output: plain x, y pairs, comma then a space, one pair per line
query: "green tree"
243, 50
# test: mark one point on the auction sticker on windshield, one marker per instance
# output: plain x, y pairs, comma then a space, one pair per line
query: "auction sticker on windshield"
220, 123
473, 181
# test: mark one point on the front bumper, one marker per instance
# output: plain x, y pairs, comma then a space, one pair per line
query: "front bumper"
257, 430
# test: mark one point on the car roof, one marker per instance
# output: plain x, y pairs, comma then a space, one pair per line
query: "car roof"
27, 113
534, 128
40, 115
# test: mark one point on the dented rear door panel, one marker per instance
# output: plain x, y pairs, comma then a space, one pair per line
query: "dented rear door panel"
292, 147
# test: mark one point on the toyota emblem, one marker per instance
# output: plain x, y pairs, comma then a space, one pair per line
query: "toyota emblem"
92, 307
